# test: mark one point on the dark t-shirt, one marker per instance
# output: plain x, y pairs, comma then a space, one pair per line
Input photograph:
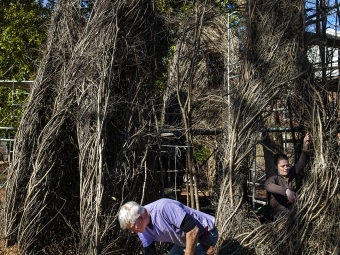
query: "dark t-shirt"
276, 186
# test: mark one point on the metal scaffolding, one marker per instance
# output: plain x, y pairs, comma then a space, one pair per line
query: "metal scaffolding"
10, 128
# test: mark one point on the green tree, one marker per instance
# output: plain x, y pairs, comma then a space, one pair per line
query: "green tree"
11, 109
23, 32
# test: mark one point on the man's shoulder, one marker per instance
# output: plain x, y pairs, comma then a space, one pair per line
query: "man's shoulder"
271, 176
161, 204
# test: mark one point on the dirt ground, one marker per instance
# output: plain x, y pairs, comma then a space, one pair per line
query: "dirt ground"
11, 250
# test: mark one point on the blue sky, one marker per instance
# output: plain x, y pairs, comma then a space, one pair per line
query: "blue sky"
332, 19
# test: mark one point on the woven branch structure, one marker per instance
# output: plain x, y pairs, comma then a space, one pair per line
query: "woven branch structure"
90, 140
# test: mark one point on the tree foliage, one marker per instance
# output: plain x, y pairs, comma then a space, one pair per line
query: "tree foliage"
11, 108
23, 31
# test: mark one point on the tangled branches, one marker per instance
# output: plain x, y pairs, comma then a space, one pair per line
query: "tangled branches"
90, 134
80, 143
275, 68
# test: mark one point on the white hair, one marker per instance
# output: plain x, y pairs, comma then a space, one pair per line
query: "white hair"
129, 213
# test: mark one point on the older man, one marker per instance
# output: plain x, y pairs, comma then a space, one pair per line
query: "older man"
166, 220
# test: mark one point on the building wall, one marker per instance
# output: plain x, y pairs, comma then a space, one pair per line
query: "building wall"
331, 55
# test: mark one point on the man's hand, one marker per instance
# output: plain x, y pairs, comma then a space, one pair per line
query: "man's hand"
306, 142
291, 196
191, 239
210, 250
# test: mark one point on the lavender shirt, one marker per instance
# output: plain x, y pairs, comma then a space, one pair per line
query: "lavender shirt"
166, 217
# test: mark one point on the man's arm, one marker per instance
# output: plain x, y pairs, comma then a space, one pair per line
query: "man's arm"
191, 239
304, 154
301, 163
272, 187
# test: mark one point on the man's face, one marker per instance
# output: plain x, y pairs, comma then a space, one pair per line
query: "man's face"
139, 225
283, 167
